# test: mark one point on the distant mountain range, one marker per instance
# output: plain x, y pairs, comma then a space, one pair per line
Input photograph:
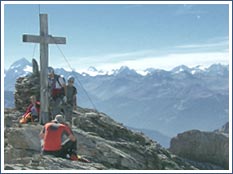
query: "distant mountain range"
166, 101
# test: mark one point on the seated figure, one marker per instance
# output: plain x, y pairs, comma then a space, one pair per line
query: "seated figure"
32, 112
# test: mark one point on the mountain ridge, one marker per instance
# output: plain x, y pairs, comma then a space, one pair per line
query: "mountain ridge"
89, 71
165, 101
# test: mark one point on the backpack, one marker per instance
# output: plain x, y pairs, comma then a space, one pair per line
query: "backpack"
26, 118
58, 92
57, 79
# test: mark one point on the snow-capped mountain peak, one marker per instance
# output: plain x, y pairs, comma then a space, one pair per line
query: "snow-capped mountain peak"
21, 63
92, 71
180, 68
217, 68
124, 70
198, 69
92, 68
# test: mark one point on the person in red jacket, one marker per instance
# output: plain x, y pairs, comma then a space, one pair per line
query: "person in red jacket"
32, 112
52, 138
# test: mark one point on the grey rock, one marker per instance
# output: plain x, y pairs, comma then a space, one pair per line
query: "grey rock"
207, 147
35, 67
24, 88
106, 143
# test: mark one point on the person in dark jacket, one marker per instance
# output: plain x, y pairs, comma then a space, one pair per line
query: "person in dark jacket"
71, 103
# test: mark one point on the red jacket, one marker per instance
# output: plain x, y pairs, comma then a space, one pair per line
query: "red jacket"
53, 135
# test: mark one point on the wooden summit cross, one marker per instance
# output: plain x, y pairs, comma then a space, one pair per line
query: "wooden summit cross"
44, 39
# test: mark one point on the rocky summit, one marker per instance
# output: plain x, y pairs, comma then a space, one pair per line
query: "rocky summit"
106, 143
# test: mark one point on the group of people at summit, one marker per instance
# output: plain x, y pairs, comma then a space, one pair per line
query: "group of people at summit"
62, 103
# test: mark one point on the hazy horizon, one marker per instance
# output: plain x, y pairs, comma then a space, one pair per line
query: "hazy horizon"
139, 36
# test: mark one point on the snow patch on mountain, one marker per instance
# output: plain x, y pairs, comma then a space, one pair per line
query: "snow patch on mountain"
92, 71
28, 68
198, 69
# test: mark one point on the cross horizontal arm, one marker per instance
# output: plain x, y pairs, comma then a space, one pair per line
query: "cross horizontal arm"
40, 39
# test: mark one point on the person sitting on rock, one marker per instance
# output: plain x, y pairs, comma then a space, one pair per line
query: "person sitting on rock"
52, 135
57, 87
32, 112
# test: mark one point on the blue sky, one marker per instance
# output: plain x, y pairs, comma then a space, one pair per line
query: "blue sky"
112, 35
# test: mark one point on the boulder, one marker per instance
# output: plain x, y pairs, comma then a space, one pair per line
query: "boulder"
209, 147
35, 67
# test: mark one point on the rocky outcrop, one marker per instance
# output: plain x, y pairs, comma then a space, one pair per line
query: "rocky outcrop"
209, 147
106, 143
27, 86
35, 67
24, 88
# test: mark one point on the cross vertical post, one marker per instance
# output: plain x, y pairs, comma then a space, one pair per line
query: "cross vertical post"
44, 96
44, 39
